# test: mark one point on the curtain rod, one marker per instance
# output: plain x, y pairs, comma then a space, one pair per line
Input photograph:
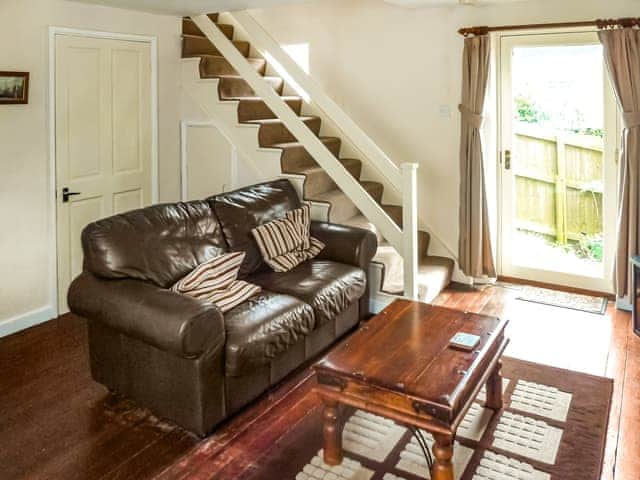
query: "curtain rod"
602, 23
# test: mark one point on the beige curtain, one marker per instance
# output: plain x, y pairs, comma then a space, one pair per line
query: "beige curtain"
474, 243
622, 56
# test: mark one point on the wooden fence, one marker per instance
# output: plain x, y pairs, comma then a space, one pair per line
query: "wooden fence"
558, 180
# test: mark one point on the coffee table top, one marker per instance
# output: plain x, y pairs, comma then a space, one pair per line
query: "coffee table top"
405, 350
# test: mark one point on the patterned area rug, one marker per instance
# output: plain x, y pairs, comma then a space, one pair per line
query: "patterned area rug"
553, 427
574, 301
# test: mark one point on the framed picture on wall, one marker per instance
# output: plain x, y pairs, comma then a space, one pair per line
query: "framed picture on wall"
14, 88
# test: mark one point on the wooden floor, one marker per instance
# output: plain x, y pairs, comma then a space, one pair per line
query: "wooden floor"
56, 423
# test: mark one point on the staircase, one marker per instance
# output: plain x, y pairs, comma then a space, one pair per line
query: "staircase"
434, 272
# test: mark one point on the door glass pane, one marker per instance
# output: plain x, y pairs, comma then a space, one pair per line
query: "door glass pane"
557, 158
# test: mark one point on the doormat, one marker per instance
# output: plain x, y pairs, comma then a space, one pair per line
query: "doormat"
555, 298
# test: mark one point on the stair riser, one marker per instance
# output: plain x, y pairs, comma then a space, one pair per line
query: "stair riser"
297, 158
212, 67
196, 46
258, 109
232, 87
345, 208
190, 28
319, 181
278, 133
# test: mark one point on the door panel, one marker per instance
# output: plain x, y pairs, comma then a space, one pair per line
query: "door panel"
81, 212
125, 201
128, 111
79, 101
103, 139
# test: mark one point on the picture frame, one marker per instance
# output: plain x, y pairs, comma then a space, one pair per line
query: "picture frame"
14, 88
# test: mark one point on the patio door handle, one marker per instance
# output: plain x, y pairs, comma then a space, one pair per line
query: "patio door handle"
507, 159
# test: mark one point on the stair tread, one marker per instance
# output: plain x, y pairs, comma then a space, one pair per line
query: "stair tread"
243, 44
298, 144
343, 161
267, 121
202, 37
191, 35
251, 59
260, 99
188, 23
240, 77
360, 221
337, 193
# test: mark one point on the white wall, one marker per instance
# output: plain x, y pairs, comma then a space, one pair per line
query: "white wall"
209, 162
24, 200
392, 68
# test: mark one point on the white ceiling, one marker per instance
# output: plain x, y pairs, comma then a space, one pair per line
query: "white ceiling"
193, 7
433, 3
189, 7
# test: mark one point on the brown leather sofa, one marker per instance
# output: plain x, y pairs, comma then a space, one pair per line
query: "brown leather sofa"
181, 357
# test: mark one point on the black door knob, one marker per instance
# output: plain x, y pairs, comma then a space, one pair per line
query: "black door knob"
66, 194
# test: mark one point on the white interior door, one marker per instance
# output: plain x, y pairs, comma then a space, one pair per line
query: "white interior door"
103, 139
558, 136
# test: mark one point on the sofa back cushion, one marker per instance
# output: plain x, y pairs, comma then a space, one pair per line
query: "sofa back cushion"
160, 244
242, 210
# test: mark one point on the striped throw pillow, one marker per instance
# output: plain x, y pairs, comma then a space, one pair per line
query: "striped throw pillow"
286, 242
216, 281
233, 295
301, 218
278, 237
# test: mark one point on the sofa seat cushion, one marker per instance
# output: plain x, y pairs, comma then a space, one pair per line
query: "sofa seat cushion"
262, 328
329, 287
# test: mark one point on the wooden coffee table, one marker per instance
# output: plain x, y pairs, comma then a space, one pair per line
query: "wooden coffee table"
399, 365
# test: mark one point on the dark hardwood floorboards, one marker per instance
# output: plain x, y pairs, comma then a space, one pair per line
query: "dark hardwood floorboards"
56, 423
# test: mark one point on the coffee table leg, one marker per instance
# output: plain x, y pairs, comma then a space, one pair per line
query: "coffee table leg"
443, 452
332, 433
494, 388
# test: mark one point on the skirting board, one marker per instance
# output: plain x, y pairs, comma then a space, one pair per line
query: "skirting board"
29, 319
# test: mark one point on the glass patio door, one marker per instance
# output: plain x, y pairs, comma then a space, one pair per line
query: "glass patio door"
558, 137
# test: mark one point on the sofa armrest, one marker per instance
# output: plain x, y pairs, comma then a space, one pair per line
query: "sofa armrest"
169, 321
349, 245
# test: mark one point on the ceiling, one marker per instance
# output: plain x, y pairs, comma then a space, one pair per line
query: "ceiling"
193, 7
189, 7
432, 3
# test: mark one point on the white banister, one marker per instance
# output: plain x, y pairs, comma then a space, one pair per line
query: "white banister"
345, 181
410, 228
269, 47
404, 179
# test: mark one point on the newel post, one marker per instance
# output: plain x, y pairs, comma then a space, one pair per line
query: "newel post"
410, 228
